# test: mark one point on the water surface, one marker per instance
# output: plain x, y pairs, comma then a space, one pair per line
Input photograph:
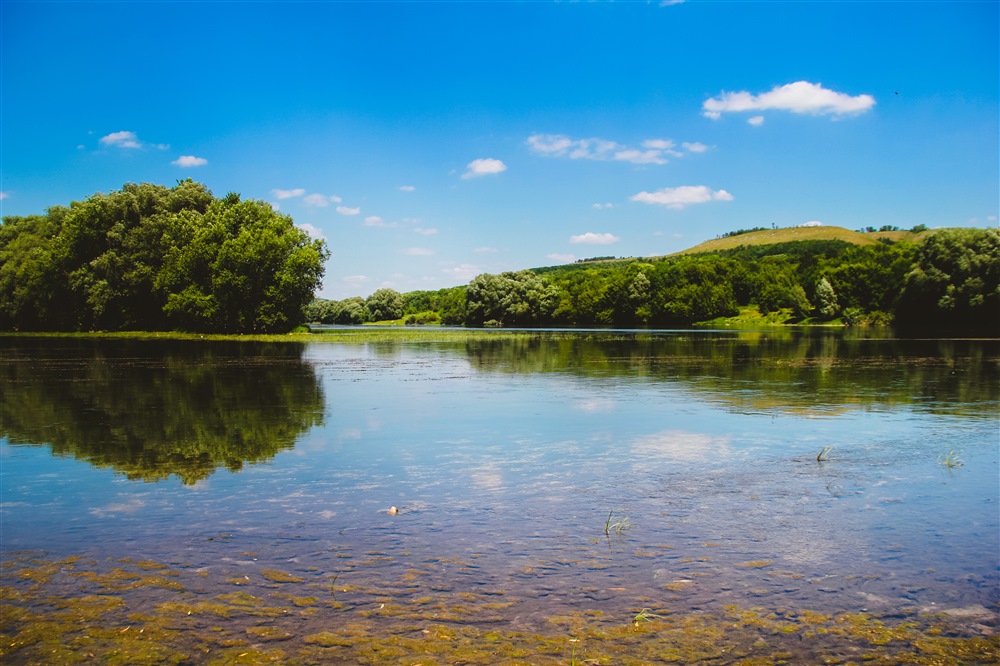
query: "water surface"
161, 479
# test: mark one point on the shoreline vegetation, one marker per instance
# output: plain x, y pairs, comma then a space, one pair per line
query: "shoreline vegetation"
151, 258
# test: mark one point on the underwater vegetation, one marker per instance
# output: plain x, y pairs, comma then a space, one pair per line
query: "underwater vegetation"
78, 610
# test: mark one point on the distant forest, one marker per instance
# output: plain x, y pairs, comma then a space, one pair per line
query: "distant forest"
950, 279
154, 258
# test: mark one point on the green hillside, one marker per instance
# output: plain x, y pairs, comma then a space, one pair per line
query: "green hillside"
792, 234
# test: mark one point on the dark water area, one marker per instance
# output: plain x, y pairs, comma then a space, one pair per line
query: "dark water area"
589, 497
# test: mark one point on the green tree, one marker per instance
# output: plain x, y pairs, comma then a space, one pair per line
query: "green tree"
149, 257
350, 311
954, 282
510, 299
827, 298
384, 305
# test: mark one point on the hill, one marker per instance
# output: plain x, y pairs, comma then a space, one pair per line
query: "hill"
792, 234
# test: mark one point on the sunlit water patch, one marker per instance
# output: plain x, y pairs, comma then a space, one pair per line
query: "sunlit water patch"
721, 496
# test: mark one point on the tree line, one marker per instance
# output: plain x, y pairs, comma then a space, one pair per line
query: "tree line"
149, 257
950, 279
152, 258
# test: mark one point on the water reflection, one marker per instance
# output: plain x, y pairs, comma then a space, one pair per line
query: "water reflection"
819, 373
153, 409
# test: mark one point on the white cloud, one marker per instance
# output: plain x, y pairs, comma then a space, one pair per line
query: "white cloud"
798, 97
462, 271
550, 144
562, 258
601, 206
694, 146
190, 161
685, 195
314, 232
640, 156
321, 200
355, 280
288, 194
671, 3
812, 223
4, 195
161, 146
376, 221
756, 121
560, 145
344, 210
484, 167
658, 144
418, 252
425, 232
406, 188
594, 239
653, 151
485, 250
122, 140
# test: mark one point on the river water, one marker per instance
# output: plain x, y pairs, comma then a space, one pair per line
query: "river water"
559, 497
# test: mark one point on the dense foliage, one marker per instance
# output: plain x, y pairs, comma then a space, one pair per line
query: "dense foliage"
152, 258
950, 279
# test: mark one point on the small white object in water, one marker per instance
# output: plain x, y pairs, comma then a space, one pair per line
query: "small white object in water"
393, 511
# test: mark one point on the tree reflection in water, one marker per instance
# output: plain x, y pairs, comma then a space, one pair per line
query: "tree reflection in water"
151, 409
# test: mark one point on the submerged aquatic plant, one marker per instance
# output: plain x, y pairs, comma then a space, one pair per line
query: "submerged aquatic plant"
824, 455
619, 525
644, 616
950, 459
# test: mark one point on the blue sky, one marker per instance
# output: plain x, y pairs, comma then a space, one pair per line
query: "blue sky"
428, 142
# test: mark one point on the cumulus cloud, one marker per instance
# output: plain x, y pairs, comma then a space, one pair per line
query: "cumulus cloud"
406, 188
376, 221
685, 195
658, 144
652, 151
602, 206
418, 252
812, 223
321, 200
798, 97
640, 156
484, 166
344, 210
288, 194
314, 232
190, 161
462, 271
355, 280
121, 140
756, 121
590, 238
560, 145
562, 258
694, 146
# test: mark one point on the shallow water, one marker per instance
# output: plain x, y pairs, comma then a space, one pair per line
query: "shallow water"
546, 487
